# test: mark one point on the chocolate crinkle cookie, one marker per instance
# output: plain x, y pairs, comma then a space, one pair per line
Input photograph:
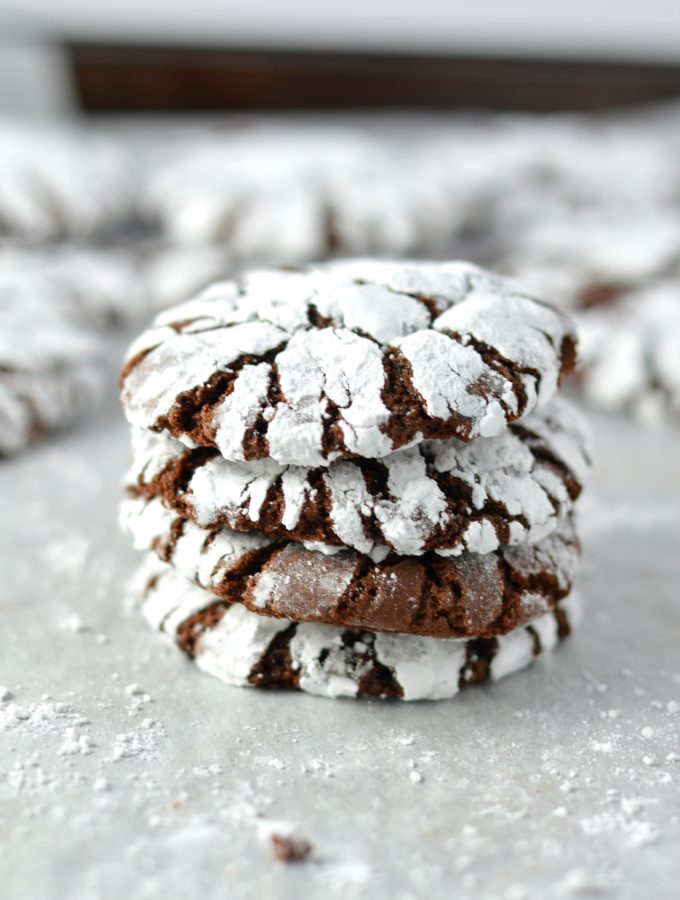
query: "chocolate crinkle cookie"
59, 306
356, 479
352, 359
242, 648
439, 596
446, 496
60, 183
51, 368
631, 354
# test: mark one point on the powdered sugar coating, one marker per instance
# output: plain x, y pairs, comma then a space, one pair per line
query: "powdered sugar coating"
56, 183
443, 495
631, 359
92, 285
332, 662
178, 368
357, 367
323, 368
286, 195
582, 260
51, 367
468, 595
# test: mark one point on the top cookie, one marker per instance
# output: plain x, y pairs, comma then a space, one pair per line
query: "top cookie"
354, 358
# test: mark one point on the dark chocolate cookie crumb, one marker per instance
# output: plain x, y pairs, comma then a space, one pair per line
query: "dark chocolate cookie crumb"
290, 849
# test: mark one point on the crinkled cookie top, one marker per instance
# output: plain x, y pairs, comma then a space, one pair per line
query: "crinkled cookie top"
351, 359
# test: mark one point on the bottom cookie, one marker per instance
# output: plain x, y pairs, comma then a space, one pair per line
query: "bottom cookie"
243, 648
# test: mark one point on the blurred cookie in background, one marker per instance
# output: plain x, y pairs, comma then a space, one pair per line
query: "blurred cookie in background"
584, 261
58, 182
287, 195
631, 355
52, 368
541, 170
101, 287
63, 309
172, 273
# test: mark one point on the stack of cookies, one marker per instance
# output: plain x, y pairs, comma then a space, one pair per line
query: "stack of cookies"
356, 479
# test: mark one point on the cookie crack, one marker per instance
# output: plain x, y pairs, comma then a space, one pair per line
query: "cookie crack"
508, 370
275, 668
192, 411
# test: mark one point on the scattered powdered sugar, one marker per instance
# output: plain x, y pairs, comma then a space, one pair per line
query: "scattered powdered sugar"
144, 742
626, 821
46, 717
195, 813
74, 743
73, 622
60, 726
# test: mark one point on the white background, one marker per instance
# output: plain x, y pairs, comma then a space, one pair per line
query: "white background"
630, 29
35, 79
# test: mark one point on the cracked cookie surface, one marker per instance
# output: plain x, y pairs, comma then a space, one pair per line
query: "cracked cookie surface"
242, 648
352, 359
447, 496
470, 595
